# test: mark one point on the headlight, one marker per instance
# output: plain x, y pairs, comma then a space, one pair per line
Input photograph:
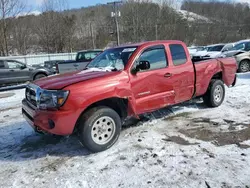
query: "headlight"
52, 99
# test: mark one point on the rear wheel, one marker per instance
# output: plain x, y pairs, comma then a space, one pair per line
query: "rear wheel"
215, 94
39, 76
244, 66
99, 128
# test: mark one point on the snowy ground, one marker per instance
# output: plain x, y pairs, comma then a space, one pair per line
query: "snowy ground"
183, 146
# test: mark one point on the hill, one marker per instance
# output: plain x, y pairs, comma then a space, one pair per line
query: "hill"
198, 22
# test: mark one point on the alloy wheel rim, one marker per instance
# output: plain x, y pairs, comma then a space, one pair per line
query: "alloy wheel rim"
103, 130
218, 93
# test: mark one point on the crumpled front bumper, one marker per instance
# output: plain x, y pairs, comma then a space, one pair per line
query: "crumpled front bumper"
53, 122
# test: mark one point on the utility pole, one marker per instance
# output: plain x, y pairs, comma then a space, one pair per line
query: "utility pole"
156, 32
92, 35
115, 14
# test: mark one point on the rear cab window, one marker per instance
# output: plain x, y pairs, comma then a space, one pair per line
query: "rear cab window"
87, 56
178, 54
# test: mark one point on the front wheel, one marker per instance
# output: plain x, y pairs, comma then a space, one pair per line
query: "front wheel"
99, 129
215, 94
39, 76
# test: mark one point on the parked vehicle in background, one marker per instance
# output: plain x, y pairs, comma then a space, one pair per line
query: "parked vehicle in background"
212, 51
240, 47
81, 61
194, 49
12, 71
243, 62
123, 81
52, 65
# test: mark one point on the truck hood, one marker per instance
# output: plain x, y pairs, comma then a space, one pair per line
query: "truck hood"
63, 80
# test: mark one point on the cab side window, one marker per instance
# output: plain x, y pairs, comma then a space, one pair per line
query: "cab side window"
178, 54
2, 66
13, 65
156, 56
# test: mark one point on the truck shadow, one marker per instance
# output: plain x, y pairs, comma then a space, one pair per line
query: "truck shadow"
20, 143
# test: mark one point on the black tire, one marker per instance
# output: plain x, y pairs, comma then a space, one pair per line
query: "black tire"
244, 66
89, 123
39, 76
211, 98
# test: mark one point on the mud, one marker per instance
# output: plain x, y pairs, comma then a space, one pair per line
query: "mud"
206, 129
6, 95
178, 140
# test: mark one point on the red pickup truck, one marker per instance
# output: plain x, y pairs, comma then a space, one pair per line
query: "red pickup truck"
120, 82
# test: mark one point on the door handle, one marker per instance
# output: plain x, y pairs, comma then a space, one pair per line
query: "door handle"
11, 70
167, 75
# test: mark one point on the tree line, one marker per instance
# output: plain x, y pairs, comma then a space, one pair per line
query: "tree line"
58, 29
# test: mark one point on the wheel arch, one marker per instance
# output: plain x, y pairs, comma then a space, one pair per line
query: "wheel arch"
120, 105
37, 73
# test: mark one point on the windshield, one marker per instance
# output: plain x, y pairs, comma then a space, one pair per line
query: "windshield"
215, 48
116, 58
242, 46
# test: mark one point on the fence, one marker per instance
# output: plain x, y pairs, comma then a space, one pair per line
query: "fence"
39, 59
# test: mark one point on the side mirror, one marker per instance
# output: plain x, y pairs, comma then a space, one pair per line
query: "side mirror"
23, 67
142, 65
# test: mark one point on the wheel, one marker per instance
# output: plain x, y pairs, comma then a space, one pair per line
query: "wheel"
215, 94
99, 128
244, 66
38, 76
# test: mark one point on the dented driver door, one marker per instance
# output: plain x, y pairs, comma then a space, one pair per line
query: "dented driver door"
152, 88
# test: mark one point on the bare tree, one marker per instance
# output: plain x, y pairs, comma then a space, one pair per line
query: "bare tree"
9, 9
54, 27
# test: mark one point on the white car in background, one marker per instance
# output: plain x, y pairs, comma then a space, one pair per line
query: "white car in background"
214, 51
194, 49
239, 47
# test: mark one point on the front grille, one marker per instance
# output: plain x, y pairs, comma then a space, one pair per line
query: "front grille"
30, 94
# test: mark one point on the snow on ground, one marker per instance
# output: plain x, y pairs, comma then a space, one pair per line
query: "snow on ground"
184, 146
191, 16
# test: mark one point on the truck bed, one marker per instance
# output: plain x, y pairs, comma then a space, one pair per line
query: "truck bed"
221, 67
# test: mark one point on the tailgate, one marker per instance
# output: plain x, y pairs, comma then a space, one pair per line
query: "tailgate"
229, 69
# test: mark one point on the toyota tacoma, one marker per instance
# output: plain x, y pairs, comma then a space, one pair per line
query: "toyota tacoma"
122, 82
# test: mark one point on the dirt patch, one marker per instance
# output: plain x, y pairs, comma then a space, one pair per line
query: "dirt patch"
54, 165
10, 108
183, 115
243, 146
207, 132
6, 95
178, 140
